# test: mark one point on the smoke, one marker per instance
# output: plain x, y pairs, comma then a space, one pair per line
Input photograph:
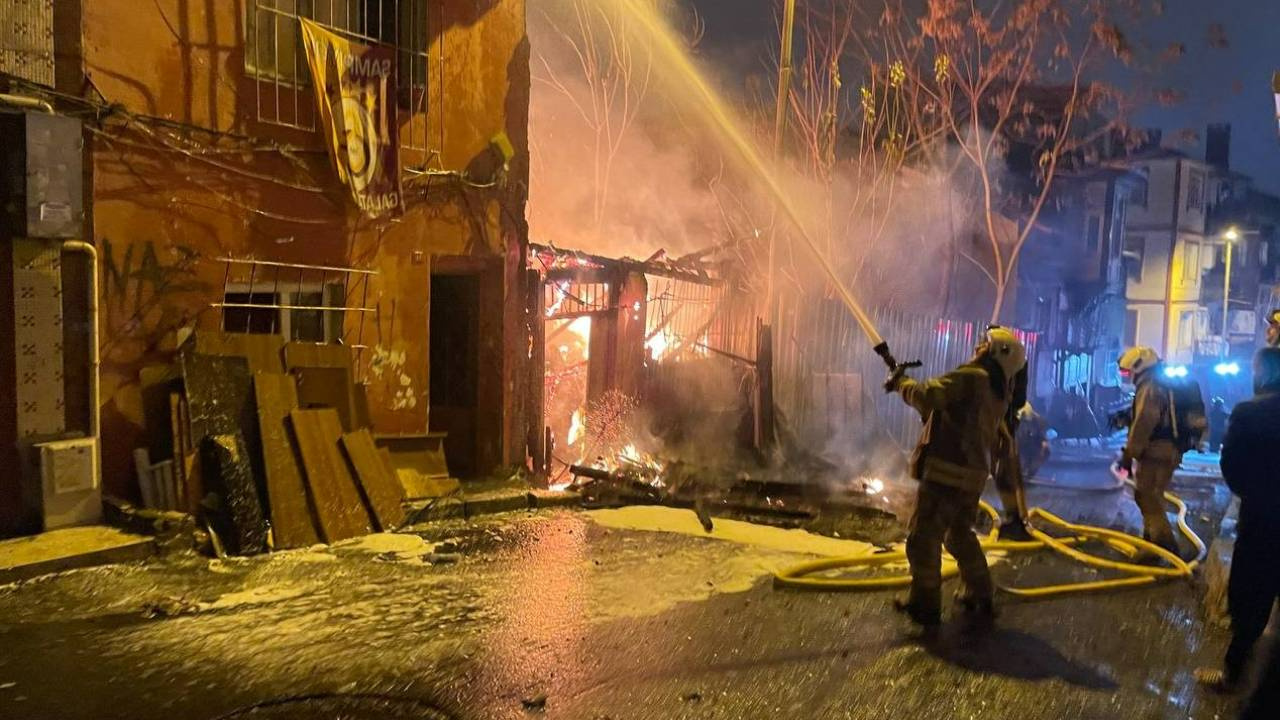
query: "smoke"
625, 162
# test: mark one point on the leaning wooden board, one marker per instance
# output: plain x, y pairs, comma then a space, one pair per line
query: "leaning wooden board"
221, 405
380, 486
264, 353
292, 524
339, 507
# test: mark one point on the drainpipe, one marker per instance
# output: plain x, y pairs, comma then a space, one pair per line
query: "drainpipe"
24, 101
79, 246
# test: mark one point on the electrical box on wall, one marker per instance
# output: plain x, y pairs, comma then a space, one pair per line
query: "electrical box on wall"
41, 180
72, 493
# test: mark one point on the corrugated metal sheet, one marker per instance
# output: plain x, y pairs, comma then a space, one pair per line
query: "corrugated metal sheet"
26, 40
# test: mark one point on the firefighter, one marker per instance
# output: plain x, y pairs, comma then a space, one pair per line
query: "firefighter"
1033, 440
963, 412
1273, 328
1150, 443
1008, 465
1248, 466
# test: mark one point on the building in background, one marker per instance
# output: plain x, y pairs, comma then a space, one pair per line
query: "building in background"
213, 203
1166, 251
1072, 282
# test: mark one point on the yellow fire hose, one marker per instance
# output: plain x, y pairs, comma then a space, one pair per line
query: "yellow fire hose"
799, 577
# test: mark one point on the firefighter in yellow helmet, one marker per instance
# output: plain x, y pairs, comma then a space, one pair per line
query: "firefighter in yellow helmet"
963, 412
1273, 328
1150, 443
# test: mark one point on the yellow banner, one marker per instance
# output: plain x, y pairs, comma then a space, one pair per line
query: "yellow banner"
355, 88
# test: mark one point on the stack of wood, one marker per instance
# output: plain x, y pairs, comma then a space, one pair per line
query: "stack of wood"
268, 442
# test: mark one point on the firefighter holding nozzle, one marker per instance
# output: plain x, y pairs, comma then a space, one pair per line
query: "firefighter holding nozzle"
965, 415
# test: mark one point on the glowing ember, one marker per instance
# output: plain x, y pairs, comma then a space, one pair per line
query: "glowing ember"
577, 427
872, 486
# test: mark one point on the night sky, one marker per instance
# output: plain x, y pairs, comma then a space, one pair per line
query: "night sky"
1219, 84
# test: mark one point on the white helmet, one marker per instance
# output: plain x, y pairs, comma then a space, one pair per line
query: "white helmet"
1003, 346
1138, 361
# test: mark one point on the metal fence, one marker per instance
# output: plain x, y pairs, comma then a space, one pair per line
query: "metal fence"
827, 380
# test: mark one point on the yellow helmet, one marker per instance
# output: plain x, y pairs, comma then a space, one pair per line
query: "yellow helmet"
1137, 361
1003, 346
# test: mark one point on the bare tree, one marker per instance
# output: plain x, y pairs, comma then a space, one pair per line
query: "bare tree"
994, 76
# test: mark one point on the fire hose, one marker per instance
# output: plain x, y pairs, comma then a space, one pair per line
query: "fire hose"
799, 577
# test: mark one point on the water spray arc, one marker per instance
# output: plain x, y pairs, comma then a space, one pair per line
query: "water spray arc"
666, 44
669, 47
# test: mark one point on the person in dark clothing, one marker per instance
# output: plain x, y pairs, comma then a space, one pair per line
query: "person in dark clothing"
1218, 417
1248, 466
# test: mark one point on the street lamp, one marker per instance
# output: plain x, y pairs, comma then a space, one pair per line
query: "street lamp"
1229, 237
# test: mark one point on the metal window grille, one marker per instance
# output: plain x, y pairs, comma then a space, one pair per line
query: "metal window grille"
566, 299
275, 56
306, 303
26, 40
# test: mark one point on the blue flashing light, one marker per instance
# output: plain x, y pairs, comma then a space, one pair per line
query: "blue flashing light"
1227, 368
1176, 371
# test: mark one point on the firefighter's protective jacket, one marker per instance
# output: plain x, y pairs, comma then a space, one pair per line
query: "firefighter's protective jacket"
1152, 428
962, 416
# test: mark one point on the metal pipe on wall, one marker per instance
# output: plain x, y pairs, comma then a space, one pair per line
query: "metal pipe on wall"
79, 246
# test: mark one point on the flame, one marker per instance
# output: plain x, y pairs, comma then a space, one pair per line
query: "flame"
872, 486
562, 292
577, 427
582, 328
657, 345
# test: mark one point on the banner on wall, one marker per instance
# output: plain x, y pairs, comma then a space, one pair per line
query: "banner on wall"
355, 88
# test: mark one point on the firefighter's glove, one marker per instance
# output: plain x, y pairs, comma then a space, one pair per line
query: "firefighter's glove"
1125, 463
895, 379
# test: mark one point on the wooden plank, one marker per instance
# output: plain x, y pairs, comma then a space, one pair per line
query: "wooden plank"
381, 488
221, 405
264, 353
238, 515
157, 382
328, 388
363, 418
339, 507
291, 515
314, 355
420, 487
187, 460
423, 453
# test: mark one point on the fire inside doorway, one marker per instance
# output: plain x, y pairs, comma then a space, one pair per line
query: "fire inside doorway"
636, 356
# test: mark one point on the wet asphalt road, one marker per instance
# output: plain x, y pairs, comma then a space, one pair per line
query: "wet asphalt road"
551, 615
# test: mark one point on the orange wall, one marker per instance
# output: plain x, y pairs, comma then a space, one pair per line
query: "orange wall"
161, 219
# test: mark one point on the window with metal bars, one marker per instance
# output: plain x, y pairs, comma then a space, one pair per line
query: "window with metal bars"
275, 54
307, 313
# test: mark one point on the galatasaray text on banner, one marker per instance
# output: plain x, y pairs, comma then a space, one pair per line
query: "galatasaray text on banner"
355, 88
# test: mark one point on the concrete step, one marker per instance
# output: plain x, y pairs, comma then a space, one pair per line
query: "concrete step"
68, 549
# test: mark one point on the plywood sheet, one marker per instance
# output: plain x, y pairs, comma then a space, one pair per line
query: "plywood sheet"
224, 426
292, 521
380, 486
328, 388
423, 453
238, 516
264, 353
339, 507
158, 382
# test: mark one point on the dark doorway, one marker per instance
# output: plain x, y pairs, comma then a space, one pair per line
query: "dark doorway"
455, 351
